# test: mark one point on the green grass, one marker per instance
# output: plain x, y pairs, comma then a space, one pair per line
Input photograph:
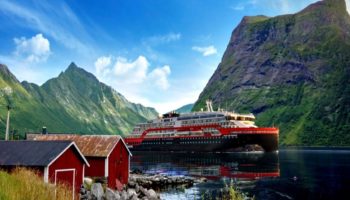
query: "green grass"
23, 184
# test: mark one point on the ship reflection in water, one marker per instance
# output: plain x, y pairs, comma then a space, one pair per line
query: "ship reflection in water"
243, 169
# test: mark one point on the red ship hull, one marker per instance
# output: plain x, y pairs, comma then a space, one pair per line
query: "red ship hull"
228, 140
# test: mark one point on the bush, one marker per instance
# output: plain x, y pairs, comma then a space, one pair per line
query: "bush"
227, 193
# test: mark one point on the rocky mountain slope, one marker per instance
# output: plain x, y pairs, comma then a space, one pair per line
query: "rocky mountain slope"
185, 109
292, 71
75, 101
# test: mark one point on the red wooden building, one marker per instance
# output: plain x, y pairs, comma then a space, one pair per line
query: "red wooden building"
56, 161
107, 155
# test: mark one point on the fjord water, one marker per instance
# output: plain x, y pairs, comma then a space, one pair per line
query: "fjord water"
289, 174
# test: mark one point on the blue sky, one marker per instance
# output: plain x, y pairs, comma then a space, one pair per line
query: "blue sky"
158, 53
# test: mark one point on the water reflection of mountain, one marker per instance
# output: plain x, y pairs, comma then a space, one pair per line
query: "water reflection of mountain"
239, 166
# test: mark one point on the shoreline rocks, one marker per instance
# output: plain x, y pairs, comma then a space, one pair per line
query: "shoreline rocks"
140, 187
128, 193
161, 181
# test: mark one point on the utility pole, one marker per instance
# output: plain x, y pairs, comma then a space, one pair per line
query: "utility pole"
8, 122
7, 93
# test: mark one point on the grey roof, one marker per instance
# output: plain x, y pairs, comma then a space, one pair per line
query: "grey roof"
30, 153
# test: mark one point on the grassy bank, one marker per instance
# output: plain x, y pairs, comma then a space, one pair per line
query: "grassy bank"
229, 192
23, 184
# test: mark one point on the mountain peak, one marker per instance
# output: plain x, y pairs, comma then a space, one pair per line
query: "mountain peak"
5, 73
73, 71
4, 69
72, 65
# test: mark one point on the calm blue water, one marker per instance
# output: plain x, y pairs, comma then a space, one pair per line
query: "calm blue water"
289, 174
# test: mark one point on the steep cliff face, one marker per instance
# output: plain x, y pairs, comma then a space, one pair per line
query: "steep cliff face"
292, 71
75, 101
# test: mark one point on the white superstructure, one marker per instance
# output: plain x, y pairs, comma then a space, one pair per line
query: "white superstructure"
223, 118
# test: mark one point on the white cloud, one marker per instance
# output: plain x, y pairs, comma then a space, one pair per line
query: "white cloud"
135, 79
169, 104
56, 20
101, 65
206, 51
159, 88
131, 72
35, 49
162, 39
160, 77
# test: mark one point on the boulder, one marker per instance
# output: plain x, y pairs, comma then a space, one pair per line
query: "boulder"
134, 197
156, 179
143, 191
151, 194
132, 184
111, 195
133, 178
97, 191
87, 181
86, 196
82, 190
137, 188
131, 192
123, 195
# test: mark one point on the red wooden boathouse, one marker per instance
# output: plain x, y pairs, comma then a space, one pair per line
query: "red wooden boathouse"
107, 155
56, 161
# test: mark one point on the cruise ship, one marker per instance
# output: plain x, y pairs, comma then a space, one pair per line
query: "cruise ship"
203, 131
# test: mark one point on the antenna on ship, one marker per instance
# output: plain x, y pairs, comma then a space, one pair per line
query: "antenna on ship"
209, 105
219, 109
